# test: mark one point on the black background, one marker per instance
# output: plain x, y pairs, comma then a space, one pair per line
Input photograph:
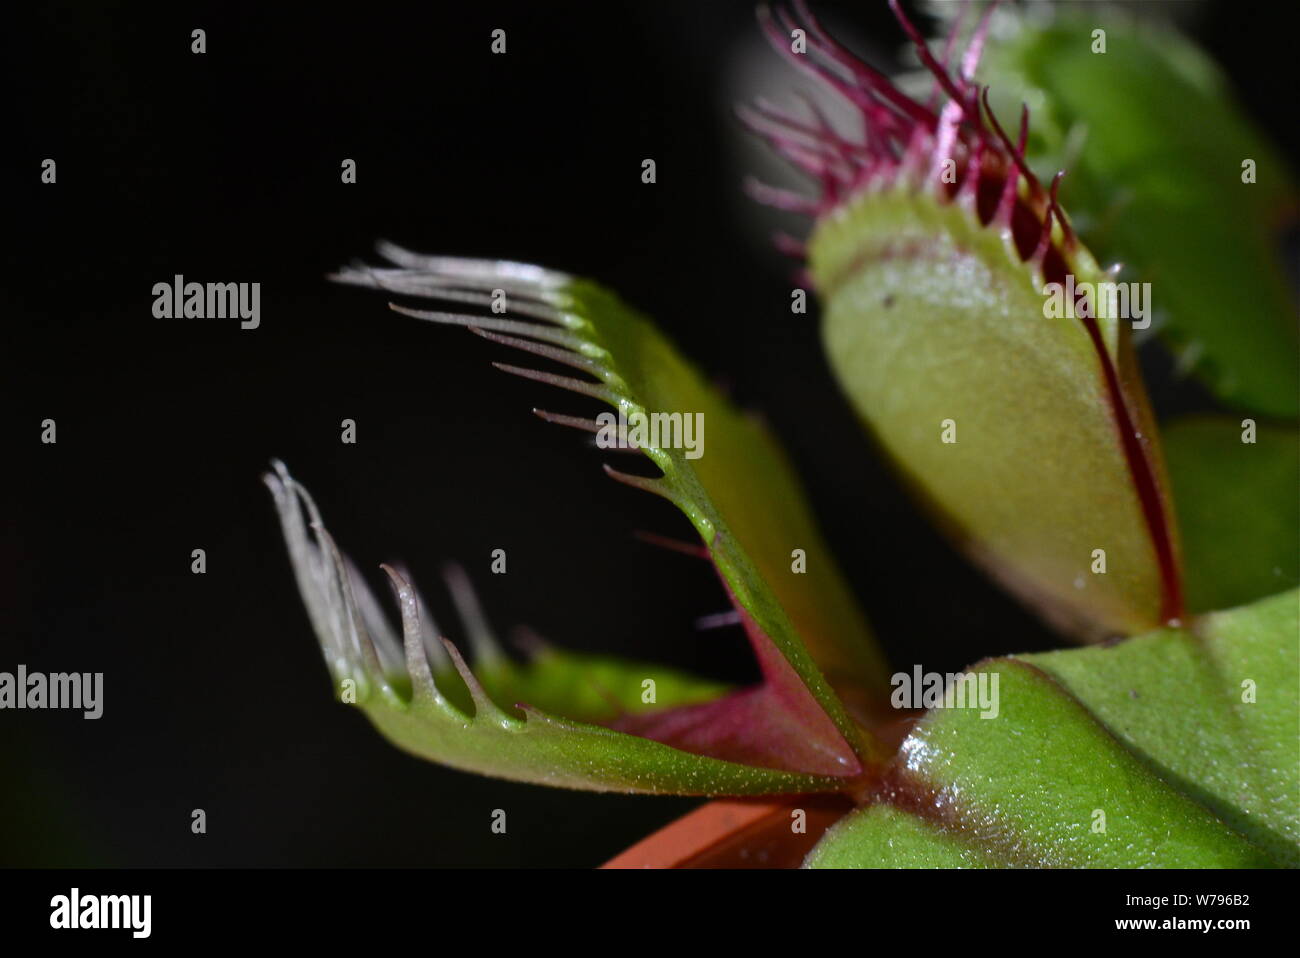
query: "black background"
225, 167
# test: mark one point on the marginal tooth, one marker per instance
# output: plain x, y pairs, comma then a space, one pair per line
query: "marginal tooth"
949, 120
625, 443
640, 482
778, 126
478, 269
346, 609
589, 425
975, 49
594, 390
375, 621
781, 199
1069, 240
792, 247
433, 649
1046, 236
305, 498
576, 422
718, 620
310, 570
927, 58
521, 302
1016, 170
529, 642
968, 192
696, 549
484, 707
549, 303
625, 447
812, 162
565, 356
413, 640
517, 305
779, 36
547, 334
487, 651
327, 599
916, 153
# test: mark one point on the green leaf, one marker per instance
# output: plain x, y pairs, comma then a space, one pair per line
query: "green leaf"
1186, 741
1154, 143
1237, 507
591, 688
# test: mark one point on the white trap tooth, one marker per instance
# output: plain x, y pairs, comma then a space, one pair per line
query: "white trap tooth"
594, 390
514, 304
434, 286
376, 621
484, 707
429, 630
574, 422
310, 569
529, 642
478, 269
719, 620
482, 640
565, 356
645, 483
548, 334
349, 616
413, 643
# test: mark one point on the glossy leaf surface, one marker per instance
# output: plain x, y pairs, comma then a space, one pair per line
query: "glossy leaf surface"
1174, 749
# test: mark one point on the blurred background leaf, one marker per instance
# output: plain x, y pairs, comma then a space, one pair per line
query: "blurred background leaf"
1238, 506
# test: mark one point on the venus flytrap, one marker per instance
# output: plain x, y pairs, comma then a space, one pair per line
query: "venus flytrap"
932, 247
1032, 437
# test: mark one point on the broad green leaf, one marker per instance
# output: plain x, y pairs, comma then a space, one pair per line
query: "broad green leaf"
591, 688
1238, 508
882, 836
1215, 710
1154, 148
1186, 741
